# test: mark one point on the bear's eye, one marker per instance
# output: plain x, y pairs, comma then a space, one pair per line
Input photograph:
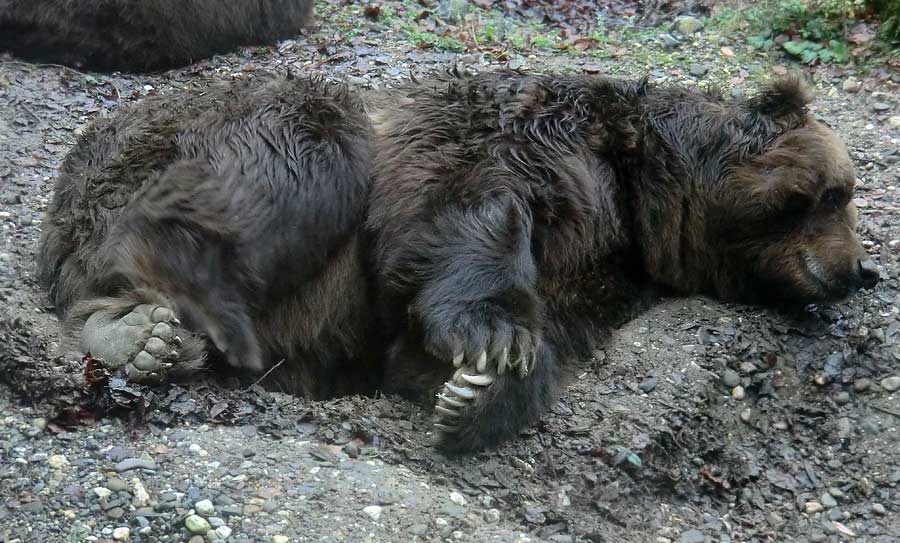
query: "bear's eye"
833, 199
796, 204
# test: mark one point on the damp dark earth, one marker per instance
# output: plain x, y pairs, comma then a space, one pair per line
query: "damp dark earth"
698, 422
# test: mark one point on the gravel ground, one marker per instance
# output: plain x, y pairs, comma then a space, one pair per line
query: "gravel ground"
699, 421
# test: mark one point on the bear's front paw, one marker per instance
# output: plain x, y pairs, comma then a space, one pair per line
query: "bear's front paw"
485, 344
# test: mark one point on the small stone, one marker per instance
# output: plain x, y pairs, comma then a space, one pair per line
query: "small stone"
842, 398
373, 511
40, 423
878, 509
251, 509
102, 492
492, 515
746, 414
141, 496
862, 385
812, 508
223, 532
881, 106
731, 378
851, 84
894, 121
215, 522
280, 539
231, 510
116, 485
204, 507
135, 463
891, 384
738, 393
780, 425
418, 529
196, 524
828, 500
115, 513
197, 539
686, 24
698, 70
457, 498
351, 449
836, 492
648, 384
692, 536
57, 461
121, 534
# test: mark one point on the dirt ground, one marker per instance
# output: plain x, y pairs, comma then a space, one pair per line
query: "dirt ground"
699, 421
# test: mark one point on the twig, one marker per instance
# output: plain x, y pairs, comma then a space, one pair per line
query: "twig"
258, 381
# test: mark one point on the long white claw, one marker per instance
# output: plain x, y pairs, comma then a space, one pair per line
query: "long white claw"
481, 365
446, 428
479, 380
462, 392
446, 412
458, 359
524, 365
503, 361
454, 402
175, 321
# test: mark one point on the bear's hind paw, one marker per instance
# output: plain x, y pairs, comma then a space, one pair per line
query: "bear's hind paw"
459, 393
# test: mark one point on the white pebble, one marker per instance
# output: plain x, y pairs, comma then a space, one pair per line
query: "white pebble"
812, 508
457, 498
223, 532
121, 534
57, 461
738, 393
374, 512
205, 507
102, 492
141, 496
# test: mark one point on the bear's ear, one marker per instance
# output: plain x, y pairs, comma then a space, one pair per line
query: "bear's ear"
784, 100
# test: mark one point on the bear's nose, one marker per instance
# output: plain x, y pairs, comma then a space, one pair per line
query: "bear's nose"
868, 273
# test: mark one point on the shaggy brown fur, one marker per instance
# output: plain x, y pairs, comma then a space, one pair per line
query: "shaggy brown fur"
516, 216
512, 221
143, 35
235, 205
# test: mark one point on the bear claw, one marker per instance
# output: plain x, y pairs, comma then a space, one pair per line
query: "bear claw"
456, 395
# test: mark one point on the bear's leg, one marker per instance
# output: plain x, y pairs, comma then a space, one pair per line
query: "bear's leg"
184, 238
137, 331
474, 410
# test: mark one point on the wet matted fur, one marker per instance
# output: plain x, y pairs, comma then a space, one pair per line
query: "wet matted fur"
512, 221
143, 35
517, 217
237, 205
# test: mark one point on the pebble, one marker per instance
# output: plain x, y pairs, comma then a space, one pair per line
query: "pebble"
738, 393
648, 384
116, 485
891, 384
731, 378
418, 529
373, 511
57, 461
280, 539
812, 508
842, 398
457, 498
135, 463
216, 522
686, 24
698, 70
223, 532
851, 84
878, 509
861, 385
197, 524
894, 121
746, 414
141, 496
836, 492
249, 509
121, 534
102, 492
493, 515
692, 536
204, 507
881, 106
197, 539
828, 500
351, 450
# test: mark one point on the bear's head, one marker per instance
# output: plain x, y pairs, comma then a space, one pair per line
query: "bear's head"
782, 218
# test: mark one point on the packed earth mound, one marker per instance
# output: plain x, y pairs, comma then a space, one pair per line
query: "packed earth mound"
698, 422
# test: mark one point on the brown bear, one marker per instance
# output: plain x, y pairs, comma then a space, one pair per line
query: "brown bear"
142, 36
508, 221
